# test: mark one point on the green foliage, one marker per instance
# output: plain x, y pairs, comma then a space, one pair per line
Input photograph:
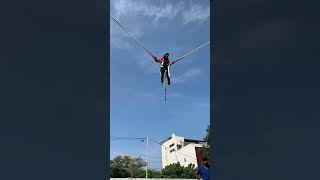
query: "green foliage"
154, 174
140, 173
177, 171
126, 166
189, 172
118, 172
207, 137
206, 150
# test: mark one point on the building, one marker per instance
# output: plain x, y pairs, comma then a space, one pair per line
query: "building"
178, 149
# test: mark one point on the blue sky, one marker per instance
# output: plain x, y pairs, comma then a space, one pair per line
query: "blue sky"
137, 101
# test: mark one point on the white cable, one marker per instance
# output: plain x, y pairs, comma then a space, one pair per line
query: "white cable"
137, 41
192, 51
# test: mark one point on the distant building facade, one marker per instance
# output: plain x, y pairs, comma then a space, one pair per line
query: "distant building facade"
178, 149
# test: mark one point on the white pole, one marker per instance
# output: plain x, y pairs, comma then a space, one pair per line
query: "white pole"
147, 158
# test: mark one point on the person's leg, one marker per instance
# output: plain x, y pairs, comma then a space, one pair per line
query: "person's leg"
162, 74
168, 77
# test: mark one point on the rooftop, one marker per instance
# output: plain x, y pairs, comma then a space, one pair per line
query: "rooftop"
185, 140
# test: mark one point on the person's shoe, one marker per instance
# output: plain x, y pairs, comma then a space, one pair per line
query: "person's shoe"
161, 84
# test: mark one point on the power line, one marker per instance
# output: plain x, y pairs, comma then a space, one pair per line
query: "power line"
126, 138
117, 137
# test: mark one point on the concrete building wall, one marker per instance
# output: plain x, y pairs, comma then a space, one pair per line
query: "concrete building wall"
175, 150
187, 155
169, 150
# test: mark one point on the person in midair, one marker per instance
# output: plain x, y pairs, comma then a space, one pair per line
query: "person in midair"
164, 61
164, 68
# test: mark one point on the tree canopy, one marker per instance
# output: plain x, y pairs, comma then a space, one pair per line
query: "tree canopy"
126, 166
177, 171
206, 149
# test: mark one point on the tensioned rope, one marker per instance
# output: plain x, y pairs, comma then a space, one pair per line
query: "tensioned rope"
137, 41
151, 54
192, 51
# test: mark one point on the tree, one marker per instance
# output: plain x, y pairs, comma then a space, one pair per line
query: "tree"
126, 166
207, 137
206, 149
177, 171
154, 174
189, 172
172, 171
140, 173
118, 172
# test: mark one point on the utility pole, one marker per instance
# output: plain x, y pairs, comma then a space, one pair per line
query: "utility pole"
147, 158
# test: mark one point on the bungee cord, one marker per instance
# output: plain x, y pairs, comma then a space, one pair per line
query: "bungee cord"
154, 57
149, 52
192, 51
137, 41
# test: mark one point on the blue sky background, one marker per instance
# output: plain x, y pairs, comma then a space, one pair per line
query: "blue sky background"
137, 101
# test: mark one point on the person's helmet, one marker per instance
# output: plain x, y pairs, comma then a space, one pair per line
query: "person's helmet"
166, 54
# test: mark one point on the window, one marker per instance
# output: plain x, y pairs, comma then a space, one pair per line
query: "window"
172, 150
178, 147
185, 160
172, 145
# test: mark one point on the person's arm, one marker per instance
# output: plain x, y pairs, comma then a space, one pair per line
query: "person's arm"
155, 59
198, 177
172, 62
198, 174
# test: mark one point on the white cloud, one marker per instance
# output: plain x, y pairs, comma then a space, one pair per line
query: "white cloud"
192, 13
189, 74
192, 72
145, 8
196, 13
129, 13
146, 62
176, 95
120, 39
169, 11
